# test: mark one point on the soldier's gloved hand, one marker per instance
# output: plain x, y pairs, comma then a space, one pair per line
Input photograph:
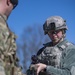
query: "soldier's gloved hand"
31, 70
33, 66
34, 59
28, 72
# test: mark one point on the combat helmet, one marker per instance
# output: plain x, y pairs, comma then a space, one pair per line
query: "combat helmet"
14, 2
54, 23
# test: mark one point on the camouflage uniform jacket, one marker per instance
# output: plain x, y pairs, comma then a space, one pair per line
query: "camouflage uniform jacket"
60, 58
7, 49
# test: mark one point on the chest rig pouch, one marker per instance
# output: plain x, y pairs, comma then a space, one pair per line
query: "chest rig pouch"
51, 56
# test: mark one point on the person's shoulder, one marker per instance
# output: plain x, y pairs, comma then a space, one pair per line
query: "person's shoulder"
48, 44
44, 46
71, 45
40, 50
2, 21
3, 32
65, 44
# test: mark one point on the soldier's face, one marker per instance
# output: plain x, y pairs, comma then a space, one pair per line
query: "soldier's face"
55, 36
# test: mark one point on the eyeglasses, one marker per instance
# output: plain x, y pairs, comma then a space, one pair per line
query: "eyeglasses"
54, 32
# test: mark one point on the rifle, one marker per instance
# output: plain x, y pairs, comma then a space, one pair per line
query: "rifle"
32, 68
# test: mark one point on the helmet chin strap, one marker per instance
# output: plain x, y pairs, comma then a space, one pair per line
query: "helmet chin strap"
60, 40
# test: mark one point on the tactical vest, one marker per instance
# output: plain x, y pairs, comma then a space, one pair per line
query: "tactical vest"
52, 55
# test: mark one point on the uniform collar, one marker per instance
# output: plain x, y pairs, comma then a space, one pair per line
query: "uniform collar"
4, 17
62, 43
49, 44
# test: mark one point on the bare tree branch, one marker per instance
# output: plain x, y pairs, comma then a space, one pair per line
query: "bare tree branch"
31, 41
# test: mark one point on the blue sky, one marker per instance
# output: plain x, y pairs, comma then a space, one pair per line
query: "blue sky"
30, 12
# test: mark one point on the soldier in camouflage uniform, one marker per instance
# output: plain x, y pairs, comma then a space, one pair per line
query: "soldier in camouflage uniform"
59, 54
8, 59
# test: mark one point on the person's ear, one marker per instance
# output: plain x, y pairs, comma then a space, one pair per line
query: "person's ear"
8, 2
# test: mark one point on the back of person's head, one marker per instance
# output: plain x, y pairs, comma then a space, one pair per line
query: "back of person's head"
14, 2
6, 6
